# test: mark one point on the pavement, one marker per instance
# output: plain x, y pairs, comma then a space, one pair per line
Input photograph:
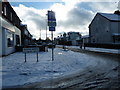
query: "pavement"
114, 52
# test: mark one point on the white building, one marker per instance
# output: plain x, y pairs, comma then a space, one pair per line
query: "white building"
73, 37
10, 32
105, 28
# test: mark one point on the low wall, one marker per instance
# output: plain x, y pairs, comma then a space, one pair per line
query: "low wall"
98, 45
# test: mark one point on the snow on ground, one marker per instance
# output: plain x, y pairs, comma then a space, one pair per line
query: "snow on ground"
116, 51
16, 72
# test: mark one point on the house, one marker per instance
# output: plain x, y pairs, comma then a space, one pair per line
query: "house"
105, 28
26, 37
10, 32
73, 37
70, 38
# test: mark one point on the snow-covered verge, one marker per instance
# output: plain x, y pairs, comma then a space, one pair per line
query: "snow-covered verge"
16, 72
114, 51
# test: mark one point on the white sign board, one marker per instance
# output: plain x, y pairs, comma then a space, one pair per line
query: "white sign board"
30, 50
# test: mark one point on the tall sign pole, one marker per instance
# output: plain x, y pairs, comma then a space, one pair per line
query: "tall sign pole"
52, 46
52, 25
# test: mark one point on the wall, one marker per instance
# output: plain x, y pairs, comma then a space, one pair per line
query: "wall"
17, 32
6, 26
0, 41
100, 30
115, 27
3, 41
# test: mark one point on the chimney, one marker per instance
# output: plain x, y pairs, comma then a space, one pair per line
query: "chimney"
117, 12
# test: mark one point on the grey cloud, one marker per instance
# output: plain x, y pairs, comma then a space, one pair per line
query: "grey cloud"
77, 17
39, 20
83, 13
103, 6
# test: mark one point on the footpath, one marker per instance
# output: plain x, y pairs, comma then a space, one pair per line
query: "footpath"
114, 52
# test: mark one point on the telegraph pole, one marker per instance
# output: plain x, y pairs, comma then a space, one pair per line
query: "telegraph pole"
46, 27
46, 32
40, 33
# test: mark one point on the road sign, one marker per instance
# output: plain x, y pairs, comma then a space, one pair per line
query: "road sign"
51, 24
30, 50
51, 28
51, 16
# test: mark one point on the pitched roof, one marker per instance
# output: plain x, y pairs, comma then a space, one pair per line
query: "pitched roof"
110, 16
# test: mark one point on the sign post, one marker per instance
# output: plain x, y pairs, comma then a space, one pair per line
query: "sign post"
52, 25
37, 56
52, 46
25, 56
31, 50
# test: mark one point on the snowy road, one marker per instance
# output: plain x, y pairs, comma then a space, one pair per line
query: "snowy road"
16, 72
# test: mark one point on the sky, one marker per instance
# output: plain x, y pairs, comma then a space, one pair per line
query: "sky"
71, 15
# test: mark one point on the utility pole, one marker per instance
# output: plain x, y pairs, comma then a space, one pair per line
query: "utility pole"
46, 25
40, 33
46, 32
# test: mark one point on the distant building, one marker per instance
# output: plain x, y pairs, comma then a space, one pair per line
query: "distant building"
71, 38
105, 28
26, 37
10, 33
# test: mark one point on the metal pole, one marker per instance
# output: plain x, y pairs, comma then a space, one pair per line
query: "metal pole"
40, 33
46, 27
37, 56
52, 46
25, 56
46, 32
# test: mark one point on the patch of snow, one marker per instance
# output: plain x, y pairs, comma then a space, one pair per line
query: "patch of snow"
16, 72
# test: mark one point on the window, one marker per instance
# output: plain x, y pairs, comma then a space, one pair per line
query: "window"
10, 39
11, 16
17, 40
5, 10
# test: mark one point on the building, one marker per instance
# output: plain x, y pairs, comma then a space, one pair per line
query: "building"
105, 28
10, 30
26, 37
70, 38
73, 38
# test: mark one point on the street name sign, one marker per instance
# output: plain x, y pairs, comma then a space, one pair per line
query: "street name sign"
30, 50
